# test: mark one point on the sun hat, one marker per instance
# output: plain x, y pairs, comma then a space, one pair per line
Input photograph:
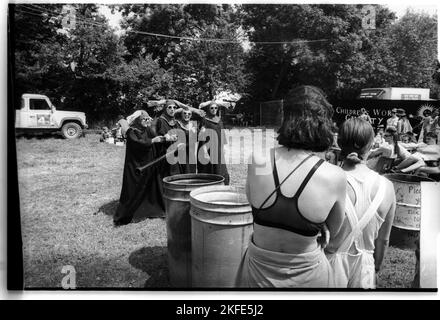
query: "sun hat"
136, 114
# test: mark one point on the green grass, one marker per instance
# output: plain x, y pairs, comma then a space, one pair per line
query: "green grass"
68, 192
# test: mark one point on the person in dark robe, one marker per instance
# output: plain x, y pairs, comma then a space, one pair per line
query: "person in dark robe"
189, 128
212, 162
141, 195
157, 110
165, 126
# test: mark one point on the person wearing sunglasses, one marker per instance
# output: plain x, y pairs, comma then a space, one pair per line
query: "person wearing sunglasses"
166, 126
212, 162
189, 126
141, 195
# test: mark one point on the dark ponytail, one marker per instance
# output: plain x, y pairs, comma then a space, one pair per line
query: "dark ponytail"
355, 139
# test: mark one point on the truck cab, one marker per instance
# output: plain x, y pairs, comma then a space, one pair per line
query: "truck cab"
38, 114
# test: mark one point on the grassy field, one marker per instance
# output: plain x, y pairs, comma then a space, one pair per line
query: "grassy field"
69, 191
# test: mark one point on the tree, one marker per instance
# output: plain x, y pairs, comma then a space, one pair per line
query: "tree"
199, 68
337, 55
83, 68
413, 44
136, 82
37, 46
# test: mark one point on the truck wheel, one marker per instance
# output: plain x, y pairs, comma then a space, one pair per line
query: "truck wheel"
71, 130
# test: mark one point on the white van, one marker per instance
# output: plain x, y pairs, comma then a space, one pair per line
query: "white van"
395, 93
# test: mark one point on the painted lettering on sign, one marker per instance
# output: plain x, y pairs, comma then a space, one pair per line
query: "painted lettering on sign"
408, 218
378, 116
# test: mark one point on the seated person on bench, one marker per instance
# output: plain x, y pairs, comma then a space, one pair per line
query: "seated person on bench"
427, 154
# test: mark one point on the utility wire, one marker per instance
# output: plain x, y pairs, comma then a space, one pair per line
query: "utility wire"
41, 10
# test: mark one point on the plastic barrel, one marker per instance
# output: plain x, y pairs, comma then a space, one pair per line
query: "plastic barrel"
177, 205
405, 233
221, 226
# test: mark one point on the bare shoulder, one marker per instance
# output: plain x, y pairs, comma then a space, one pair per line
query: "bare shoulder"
389, 199
332, 178
389, 187
259, 164
260, 158
333, 173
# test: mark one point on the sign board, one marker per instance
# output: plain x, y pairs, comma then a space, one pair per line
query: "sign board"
407, 214
380, 110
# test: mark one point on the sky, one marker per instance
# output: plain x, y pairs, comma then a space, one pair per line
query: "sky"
400, 9
113, 18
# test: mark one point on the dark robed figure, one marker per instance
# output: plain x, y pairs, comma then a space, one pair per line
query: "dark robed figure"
165, 126
214, 163
188, 127
141, 195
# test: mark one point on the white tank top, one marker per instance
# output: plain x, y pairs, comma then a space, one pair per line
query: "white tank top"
362, 190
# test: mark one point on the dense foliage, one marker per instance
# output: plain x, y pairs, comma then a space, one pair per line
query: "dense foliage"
346, 57
211, 47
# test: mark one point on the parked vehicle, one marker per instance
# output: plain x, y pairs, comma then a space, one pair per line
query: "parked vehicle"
395, 93
37, 114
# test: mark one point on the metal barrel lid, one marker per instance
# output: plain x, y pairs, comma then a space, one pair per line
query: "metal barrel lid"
221, 205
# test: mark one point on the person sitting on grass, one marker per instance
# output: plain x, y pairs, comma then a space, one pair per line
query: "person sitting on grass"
105, 134
427, 154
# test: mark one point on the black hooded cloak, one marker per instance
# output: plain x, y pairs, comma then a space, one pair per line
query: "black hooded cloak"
141, 195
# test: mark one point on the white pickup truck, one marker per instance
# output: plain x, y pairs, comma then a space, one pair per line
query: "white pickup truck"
38, 114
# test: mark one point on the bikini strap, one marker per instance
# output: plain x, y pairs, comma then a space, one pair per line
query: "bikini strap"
308, 177
275, 172
284, 180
